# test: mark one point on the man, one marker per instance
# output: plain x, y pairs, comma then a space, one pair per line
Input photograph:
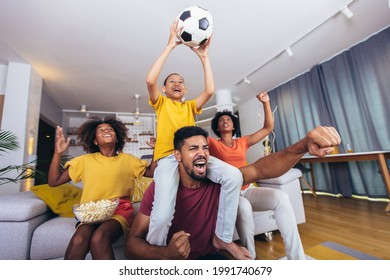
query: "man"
190, 236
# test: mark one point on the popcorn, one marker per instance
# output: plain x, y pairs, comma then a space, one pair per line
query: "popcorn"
95, 211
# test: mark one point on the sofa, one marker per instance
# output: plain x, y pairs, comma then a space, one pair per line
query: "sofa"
30, 230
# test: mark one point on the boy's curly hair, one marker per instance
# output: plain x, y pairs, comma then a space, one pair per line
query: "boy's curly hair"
218, 115
87, 133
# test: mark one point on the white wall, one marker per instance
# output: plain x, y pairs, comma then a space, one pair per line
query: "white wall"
252, 119
50, 111
3, 77
21, 116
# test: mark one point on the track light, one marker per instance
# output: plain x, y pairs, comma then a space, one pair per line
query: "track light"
137, 113
83, 108
289, 51
347, 12
136, 104
137, 121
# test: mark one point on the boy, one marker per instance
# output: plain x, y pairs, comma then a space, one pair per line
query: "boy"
172, 114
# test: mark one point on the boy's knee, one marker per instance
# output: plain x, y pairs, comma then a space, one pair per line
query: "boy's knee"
235, 175
161, 220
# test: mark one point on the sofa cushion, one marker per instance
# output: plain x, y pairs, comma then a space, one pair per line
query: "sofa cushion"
21, 206
59, 199
51, 239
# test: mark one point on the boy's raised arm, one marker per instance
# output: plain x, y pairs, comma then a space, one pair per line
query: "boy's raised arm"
208, 91
155, 70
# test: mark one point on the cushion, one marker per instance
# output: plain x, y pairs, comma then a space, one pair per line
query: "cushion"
59, 199
141, 185
51, 239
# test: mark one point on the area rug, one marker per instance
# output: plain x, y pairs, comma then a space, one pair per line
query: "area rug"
333, 251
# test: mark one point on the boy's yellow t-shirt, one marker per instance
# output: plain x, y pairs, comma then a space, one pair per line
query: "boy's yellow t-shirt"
171, 115
106, 177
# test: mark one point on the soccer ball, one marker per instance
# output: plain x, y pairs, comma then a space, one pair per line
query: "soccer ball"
197, 26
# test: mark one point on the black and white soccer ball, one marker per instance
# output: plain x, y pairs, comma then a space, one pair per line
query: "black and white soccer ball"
197, 24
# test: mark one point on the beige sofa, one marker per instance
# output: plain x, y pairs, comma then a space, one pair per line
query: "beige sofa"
30, 230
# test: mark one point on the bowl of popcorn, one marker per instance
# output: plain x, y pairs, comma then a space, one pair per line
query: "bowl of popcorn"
94, 212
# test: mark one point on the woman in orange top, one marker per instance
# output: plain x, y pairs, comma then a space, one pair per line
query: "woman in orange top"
233, 151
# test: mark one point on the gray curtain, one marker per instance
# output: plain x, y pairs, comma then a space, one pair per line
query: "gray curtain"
352, 93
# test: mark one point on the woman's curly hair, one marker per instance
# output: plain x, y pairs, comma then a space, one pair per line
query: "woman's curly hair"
218, 115
87, 133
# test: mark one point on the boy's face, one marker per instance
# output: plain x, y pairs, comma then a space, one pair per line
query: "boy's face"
175, 88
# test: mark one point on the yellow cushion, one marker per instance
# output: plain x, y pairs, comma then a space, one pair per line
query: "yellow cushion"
59, 199
140, 186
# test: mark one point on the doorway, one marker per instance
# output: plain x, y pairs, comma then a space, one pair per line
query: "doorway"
45, 149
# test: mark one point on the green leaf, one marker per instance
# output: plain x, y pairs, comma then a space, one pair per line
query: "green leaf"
8, 141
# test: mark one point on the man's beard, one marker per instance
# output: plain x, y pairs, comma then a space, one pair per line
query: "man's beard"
198, 177
193, 175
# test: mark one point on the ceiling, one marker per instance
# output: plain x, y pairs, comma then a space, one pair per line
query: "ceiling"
98, 52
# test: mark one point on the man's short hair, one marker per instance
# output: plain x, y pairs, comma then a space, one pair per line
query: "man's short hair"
186, 132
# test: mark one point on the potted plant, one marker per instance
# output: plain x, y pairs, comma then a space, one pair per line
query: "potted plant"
9, 142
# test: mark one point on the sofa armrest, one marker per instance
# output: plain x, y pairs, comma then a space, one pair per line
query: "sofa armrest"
20, 214
287, 177
21, 206
289, 183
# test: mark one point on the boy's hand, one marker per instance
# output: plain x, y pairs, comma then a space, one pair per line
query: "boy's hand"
202, 50
173, 41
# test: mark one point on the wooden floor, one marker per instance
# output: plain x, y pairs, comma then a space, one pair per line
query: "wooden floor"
358, 224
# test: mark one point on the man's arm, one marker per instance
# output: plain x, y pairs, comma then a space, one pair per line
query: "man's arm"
138, 248
319, 142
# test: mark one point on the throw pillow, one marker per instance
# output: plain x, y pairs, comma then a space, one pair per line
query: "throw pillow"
59, 199
141, 185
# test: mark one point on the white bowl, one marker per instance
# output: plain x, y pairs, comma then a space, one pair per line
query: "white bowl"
94, 212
